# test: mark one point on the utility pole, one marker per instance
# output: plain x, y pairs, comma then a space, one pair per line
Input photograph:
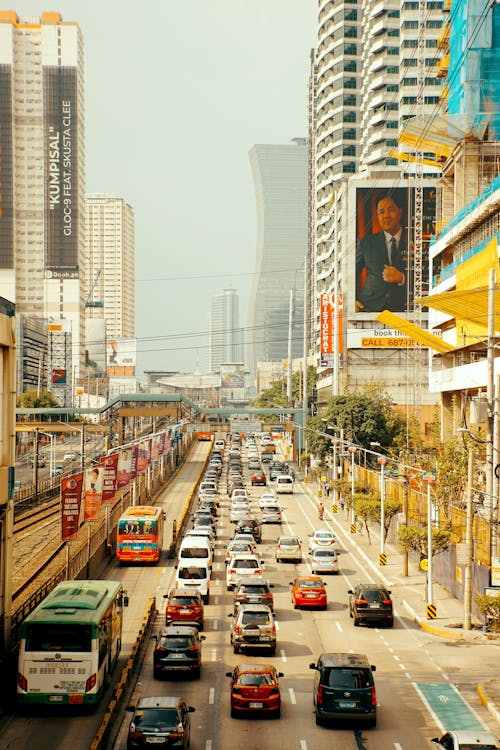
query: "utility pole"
290, 329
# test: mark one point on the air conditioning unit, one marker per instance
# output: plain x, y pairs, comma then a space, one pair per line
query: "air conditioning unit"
479, 410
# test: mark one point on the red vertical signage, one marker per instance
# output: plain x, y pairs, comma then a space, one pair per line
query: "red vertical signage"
326, 326
110, 464
71, 503
93, 492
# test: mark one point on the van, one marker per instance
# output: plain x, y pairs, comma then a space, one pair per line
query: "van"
194, 575
219, 445
193, 548
284, 484
344, 688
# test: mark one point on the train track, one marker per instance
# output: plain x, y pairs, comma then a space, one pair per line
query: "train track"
28, 521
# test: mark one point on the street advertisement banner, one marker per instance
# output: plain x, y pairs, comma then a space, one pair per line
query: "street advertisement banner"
155, 448
71, 506
326, 330
142, 456
61, 167
93, 492
161, 443
385, 237
121, 356
124, 468
110, 465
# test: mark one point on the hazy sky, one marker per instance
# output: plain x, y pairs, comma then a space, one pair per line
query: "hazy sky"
177, 92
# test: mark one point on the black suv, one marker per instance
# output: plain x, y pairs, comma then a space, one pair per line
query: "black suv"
277, 468
162, 720
253, 592
249, 526
178, 649
344, 688
370, 602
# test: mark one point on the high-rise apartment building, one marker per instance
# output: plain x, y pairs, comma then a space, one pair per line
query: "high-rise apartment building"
224, 332
372, 70
280, 179
42, 217
110, 264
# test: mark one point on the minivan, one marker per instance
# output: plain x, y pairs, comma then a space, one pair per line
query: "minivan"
194, 575
344, 688
195, 549
284, 483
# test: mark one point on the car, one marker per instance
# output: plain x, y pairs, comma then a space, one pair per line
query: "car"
266, 458
178, 649
253, 592
206, 531
321, 538
255, 688
253, 627
240, 493
276, 469
284, 484
309, 591
370, 602
289, 548
324, 561
241, 536
344, 688
254, 463
69, 456
238, 547
271, 514
251, 526
240, 511
259, 479
162, 720
466, 739
184, 607
240, 566
268, 498
195, 577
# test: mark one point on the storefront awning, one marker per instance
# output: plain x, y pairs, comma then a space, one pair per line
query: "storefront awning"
466, 304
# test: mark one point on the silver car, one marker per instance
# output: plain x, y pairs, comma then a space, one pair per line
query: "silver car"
253, 627
271, 514
324, 561
289, 548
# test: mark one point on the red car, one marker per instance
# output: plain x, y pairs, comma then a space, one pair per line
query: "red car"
184, 607
309, 591
255, 688
259, 478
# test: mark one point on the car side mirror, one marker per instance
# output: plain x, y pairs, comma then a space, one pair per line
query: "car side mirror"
191, 709
231, 614
350, 591
271, 585
203, 637
229, 674
373, 667
154, 638
290, 583
313, 666
280, 674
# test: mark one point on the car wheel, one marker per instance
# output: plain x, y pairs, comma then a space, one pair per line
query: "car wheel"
319, 721
277, 714
390, 622
156, 674
278, 559
356, 621
272, 651
236, 649
197, 672
372, 723
233, 713
201, 625
205, 599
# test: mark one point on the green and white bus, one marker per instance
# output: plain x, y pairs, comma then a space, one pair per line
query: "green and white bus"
70, 644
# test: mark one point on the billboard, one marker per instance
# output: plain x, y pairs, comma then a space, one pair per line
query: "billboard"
61, 167
6, 185
329, 327
232, 382
71, 506
384, 259
121, 355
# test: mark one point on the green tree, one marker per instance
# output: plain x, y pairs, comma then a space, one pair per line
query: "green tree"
275, 395
489, 606
366, 508
34, 400
414, 538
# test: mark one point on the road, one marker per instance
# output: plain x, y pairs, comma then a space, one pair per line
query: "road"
415, 678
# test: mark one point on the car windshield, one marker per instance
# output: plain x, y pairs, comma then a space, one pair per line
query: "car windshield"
252, 589
184, 601
259, 618
346, 679
176, 641
323, 535
288, 541
245, 564
156, 717
310, 585
255, 679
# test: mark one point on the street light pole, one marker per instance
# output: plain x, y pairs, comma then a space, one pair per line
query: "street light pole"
382, 558
469, 542
352, 451
429, 478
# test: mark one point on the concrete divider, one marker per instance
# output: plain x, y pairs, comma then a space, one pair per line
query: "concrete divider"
114, 705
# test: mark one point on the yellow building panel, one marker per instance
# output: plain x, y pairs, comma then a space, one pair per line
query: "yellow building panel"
425, 338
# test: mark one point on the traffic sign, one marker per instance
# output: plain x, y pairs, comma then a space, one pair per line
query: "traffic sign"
429, 476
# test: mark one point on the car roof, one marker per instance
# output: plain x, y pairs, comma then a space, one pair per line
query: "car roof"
257, 581
259, 668
472, 736
308, 578
184, 592
372, 586
244, 557
158, 701
344, 660
254, 608
179, 630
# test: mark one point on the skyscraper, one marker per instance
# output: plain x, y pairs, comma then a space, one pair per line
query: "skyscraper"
110, 266
42, 218
280, 179
224, 333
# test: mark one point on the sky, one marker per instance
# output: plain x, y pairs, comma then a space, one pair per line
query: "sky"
176, 94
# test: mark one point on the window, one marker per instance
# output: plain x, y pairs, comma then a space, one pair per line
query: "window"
393, 14
410, 24
350, 66
392, 69
392, 124
393, 50
409, 81
349, 166
393, 32
351, 14
429, 43
392, 87
350, 100
433, 24
392, 106
409, 43
350, 49
350, 116
410, 5
349, 134
409, 100
349, 150
431, 99
409, 62
350, 83
391, 142
432, 81
431, 61
434, 5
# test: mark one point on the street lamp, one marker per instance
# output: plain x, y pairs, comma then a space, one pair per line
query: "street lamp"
352, 451
382, 558
469, 541
429, 478
52, 461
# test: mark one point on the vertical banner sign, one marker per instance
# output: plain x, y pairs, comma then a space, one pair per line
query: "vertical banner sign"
142, 456
71, 503
155, 448
161, 443
168, 441
61, 167
6, 182
135, 453
339, 322
124, 472
93, 492
110, 465
326, 329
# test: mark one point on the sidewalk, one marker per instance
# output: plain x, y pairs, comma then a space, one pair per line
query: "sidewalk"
412, 589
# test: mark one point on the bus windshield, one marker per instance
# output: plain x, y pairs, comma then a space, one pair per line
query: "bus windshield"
137, 527
47, 637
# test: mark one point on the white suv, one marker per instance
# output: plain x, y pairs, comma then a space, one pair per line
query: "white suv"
241, 566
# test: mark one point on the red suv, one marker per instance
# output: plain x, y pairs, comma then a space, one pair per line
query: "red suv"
184, 607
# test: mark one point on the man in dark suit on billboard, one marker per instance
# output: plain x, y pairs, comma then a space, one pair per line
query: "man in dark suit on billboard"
380, 269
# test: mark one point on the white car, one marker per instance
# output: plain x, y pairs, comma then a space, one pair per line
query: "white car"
240, 512
242, 566
237, 547
240, 493
269, 498
324, 561
289, 548
466, 739
321, 539
270, 514
69, 456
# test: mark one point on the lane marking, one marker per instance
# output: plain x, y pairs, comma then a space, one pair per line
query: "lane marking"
339, 626
208, 745
216, 624
283, 655
277, 624
397, 746
211, 696
303, 745
293, 699
214, 654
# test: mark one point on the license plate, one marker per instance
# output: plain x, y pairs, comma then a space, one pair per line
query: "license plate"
176, 656
374, 606
346, 704
311, 596
184, 611
155, 740
255, 705
56, 698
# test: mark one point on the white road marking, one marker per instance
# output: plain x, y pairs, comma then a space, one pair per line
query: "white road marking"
293, 699
283, 655
339, 626
303, 745
211, 696
216, 624
216, 601
277, 624
208, 745
214, 654
397, 746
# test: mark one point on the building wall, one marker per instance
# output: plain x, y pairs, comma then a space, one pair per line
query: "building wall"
224, 333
